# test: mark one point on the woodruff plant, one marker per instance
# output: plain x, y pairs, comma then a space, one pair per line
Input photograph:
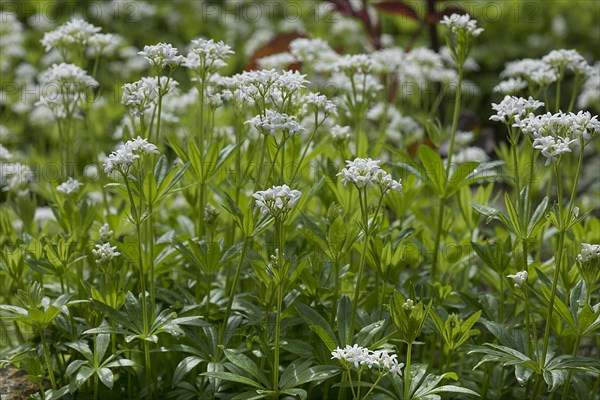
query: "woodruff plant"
128, 279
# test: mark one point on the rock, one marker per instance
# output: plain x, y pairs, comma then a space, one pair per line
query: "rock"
14, 384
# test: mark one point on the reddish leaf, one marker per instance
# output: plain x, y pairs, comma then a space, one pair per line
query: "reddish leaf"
396, 7
279, 44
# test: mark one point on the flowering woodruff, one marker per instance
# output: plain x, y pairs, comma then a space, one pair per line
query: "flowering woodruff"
464, 23
361, 356
520, 278
71, 186
277, 201
104, 253
512, 108
125, 155
364, 171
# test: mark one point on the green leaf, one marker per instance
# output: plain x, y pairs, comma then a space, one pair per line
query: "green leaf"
336, 237
344, 316
106, 377
367, 333
246, 364
228, 376
184, 367
296, 392
434, 169
554, 379
317, 324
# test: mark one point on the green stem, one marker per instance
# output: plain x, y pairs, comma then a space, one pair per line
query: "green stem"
438, 237
336, 289
570, 374
279, 305
148, 369
454, 123
232, 289
48, 360
407, 372
373, 386
362, 196
558, 256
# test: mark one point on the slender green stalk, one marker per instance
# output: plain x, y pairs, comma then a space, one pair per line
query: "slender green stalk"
570, 374
148, 369
438, 233
96, 362
407, 372
336, 289
232, 289
373, 386
362, 196
558, 256
279, 304
48, 360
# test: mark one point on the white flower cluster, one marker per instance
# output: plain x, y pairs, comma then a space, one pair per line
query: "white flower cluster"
206, 56
545, 71
125, 155
277, 201
75, 32
510, 86
162, 55
11, 40
103, 43
364, 171
462, 23
340, 133
70, 186
520, 278
14, 176
590, 92
105, 232
320, 103
359, 357
563, 59
264, 86
104, 253
351, 64
4, 153
274, 121
141, 95
589, 252
554, 133
471, 154
68, 76
513, 108
315, 53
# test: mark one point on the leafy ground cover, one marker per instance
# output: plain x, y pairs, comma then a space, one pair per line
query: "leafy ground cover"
331, 211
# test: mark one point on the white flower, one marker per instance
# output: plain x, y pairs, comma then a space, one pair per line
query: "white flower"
589, 252
359, 356
365, 171
567, 59
14, 176
71, 186
533, 70
161, 55
277, 201
552, 147
105, 233
351, 64
520, 278
76, 31
104, 253
67, 76
103, 43
510, 86
340, 133
320, 103
4, 153
457, 23
476, 154
126, 154
206, 56
512, 107
276, 61
274, 121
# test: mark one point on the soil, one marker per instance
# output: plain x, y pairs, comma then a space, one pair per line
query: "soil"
14, 384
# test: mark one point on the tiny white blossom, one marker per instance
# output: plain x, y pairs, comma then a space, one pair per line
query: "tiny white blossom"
161, 55
359, 357
520, 278
105, 233
75, 32
552, 147
457, 23
510, 86
365, 171
589, 252
71, 186
340, 133
274, 121
104, 253
277, 201
512, 107
126, 154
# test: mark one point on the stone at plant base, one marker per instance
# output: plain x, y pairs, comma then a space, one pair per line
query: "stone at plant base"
14, 384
